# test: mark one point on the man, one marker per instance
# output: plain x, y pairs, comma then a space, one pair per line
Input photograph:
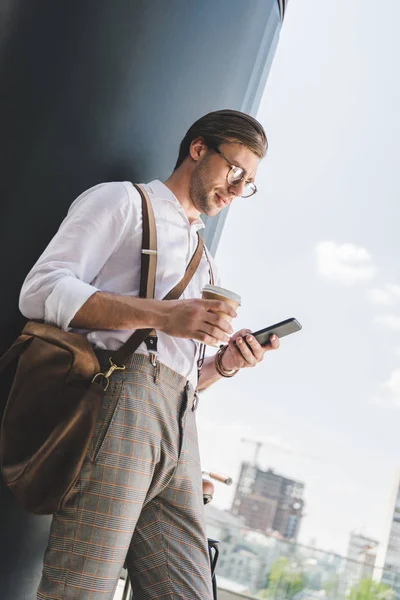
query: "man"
139, 494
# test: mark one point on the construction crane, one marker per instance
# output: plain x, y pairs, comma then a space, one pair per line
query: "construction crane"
257, 449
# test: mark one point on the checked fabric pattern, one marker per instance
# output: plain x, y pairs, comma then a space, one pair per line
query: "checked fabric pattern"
139, 498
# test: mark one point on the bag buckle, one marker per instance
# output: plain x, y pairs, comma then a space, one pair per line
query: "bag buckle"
113, 367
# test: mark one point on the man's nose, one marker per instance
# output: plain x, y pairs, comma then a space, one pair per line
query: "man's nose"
237, 188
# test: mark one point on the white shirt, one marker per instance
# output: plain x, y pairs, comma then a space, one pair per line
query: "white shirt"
98, 247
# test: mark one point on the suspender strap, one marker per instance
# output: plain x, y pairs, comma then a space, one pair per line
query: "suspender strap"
148, 261
149, 247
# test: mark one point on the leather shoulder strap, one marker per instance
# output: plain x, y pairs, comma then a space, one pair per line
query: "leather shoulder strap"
149, 247
191, 269
141, 334
212, 278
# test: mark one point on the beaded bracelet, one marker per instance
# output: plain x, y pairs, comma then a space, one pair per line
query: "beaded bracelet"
218, 363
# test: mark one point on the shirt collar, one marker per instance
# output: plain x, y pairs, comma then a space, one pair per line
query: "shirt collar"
159, 189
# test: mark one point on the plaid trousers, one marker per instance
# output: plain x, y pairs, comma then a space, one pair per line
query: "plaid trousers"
138, 498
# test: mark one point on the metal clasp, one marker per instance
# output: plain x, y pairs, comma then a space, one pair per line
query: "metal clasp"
151, 344
153, 357
107, 374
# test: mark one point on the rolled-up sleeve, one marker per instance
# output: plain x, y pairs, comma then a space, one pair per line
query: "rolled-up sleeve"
60, 282
68, 296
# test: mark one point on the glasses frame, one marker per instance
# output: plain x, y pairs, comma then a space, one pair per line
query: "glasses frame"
233, 166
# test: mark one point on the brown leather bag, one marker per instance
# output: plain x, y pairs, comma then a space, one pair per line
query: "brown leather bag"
56, 395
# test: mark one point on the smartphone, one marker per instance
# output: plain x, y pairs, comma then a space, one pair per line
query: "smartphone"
280, 329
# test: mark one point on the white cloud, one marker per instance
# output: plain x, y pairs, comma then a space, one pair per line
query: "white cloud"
344, 263
389, 321
386, 296
394, 289
381, 297
393, 385
390, 392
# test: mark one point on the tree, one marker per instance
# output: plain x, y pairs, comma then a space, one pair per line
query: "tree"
367, 589
285, 579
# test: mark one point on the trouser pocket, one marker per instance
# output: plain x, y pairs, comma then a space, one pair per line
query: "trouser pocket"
182, 421
106, 418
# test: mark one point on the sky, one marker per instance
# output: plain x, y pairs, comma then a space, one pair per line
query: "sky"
320, 242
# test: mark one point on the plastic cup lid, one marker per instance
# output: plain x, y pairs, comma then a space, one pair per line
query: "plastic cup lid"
220, 291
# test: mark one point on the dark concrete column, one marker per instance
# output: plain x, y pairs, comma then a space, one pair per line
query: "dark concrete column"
93, 90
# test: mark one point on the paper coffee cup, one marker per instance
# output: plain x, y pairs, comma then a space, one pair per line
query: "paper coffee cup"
214, 292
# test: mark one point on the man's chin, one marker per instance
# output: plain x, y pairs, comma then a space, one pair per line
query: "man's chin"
212, 211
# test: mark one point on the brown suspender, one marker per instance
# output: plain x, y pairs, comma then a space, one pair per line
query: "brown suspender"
148, 277
149, 247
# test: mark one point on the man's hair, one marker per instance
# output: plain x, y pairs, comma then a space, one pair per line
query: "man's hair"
225, 126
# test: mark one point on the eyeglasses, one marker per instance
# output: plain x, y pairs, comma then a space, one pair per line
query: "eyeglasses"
235, 175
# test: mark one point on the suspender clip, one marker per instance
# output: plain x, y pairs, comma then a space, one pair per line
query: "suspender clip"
151, 344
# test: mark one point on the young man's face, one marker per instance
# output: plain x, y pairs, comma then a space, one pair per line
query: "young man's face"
210, 190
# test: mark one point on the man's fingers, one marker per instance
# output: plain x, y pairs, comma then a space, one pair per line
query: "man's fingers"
219, 321
205, 338
255, 347
220, 306
242, 333
215, 333
274, 343
245, 351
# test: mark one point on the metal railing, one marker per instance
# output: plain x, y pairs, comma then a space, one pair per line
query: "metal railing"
255, 565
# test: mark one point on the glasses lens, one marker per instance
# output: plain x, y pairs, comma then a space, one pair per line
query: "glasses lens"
235, 174
248, 190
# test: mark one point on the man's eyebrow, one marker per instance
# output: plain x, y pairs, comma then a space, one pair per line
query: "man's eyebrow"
250, 179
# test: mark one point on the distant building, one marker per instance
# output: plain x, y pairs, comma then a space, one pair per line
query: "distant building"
269, 502
221, 525
360, 562
367, 559
246, 555
391, 549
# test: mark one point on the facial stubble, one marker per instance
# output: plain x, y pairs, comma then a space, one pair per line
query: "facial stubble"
199, 192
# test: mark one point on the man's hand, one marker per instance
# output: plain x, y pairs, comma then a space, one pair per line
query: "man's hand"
197, 319
242, 355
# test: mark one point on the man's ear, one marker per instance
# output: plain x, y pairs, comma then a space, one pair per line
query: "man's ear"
198, 149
